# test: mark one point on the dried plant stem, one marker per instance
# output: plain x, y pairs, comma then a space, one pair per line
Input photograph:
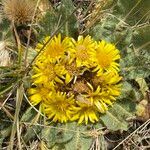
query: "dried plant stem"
143, 125
29, 35
7, 112
33, 106
18, 43
15, 127
124, 19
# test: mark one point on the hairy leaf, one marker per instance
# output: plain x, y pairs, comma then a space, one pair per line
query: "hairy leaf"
116, 118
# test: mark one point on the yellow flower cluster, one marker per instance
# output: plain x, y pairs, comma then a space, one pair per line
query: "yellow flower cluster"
75, 79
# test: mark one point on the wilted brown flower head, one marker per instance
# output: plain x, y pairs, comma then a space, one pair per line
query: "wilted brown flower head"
19, 11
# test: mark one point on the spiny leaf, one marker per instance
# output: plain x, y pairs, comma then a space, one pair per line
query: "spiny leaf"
66, 9
49, 136
54, 18
115, 118
31, 133
79, 140
143, 85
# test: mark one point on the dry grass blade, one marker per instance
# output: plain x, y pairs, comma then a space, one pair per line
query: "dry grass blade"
29, 35
118, 25
15, 127
33, 106
7, 112
134, 132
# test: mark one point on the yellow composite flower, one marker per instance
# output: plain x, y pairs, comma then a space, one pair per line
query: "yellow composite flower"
97, 98
85, 112
83, 49
105, 57
58, 107
47, 71
94, 97
107, 78
38, 94
113, 85
56, 47
110, 83
105, 92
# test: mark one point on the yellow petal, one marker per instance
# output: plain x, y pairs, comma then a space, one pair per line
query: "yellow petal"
81, 119
99, 106
67, 79
58, 80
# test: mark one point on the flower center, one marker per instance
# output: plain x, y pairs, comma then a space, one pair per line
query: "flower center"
80, 87
61, 106
97, 80
72, 68
55, 50
104, 60
50, 72
82, 53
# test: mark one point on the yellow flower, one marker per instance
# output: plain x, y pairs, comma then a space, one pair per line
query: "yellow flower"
108, 88
107, 78
56, 47
46, 72
85, 112
83, 48
110, 82
38, 94
96, 98
105, 57
58, 107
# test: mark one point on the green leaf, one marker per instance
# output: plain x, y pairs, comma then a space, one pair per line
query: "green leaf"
54, 18
66, 136
49, 136
141, 38
66, 12
104, 30
31, 133
79, 140
5, 29
132, 11
143, 85
116, 117
129, 91
28, 115
48, 24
